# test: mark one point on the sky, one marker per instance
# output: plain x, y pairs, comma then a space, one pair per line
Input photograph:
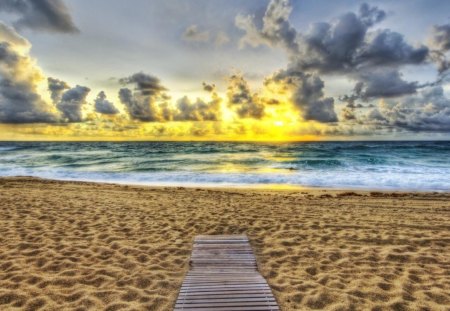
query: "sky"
274, 70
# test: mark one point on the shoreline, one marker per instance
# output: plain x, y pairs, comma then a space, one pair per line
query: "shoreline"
76, 245
262, 187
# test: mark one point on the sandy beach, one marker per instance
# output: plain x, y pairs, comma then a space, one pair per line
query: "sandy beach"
87, 246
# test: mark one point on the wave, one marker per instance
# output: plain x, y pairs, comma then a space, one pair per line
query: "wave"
7, 148
388, 178
364, 165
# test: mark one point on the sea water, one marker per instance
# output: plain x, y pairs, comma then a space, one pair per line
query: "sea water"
358, 165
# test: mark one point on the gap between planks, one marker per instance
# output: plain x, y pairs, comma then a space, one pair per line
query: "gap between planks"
224, 276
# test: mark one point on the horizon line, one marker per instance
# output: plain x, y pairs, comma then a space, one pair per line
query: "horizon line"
224, 141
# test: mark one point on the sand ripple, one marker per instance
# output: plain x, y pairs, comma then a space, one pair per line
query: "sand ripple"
84, 246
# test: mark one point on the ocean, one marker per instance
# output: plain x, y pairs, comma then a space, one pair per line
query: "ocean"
357, 165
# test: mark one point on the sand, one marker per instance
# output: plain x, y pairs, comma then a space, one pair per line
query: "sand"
87, 246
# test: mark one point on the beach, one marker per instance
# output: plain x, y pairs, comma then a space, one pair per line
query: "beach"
92, 246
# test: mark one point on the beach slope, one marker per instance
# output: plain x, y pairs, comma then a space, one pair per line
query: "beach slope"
87, 246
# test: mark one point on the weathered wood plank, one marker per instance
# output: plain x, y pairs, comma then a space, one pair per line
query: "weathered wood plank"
214, 306
224, 276
230, 309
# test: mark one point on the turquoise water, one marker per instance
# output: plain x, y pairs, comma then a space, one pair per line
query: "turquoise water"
363, 165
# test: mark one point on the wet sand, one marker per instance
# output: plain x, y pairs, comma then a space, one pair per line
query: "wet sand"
87, 246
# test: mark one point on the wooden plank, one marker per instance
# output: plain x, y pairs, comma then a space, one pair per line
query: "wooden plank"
221, 237
226, 293
259, 308
220, 289
268, 308
232, 297
226, 304
230, 282
208, 283
224, 276
223, 300
239, 293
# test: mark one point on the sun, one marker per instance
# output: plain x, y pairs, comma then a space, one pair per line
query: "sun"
278, 123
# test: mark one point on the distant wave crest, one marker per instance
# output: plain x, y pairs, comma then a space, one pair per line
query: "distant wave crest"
362, 165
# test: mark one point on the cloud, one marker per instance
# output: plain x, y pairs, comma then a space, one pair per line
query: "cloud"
198, 110
428, 111
20, 101
441, 37
440, 41
44, 15
241, 100
149, 103
146, 85
208, 87
142, 103
307, 95
371, 15
7, 34
380, 83
104, 106
348, 114
347, 45
56, 88
388, 48
71, 103
276, 28
139, 107
342, 45
193, 34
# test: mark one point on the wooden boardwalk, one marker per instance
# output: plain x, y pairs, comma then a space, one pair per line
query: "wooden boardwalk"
224, 276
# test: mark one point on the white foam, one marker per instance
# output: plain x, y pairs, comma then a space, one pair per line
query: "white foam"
387, 180
7, 148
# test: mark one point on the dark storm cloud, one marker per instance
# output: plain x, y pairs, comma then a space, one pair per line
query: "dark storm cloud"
8, 57
440, 41
428, 111
371, 15
441, 37
307, 95
388, 48
138, 107
346, 45
241, 100
68, 101
19, 99
379, 83
198, 110
71, 103
146, 85
276, 28
141, 104
149, 103
104, 106
439, 58
340, 45
208, 87
19, 103
56, 88
45, 15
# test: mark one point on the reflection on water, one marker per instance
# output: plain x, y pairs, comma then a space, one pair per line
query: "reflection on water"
386, 165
